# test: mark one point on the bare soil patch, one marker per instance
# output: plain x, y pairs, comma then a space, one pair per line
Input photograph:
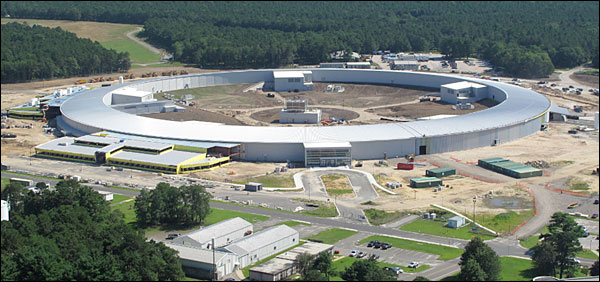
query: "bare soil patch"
193, 113
359, 95
272, 115
587, 80
27, 138
227, 97
425, 109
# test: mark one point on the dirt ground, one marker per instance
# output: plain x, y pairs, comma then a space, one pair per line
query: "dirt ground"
588, 80
272, 115
425, 109
27, 138
358, 95
240, 171
193, 113
569, 155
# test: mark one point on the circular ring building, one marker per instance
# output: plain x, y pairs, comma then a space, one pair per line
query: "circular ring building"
520, 112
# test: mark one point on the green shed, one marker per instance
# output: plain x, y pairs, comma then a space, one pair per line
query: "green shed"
424, 182
440, 172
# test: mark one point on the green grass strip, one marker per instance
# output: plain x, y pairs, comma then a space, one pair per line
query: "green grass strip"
439, 228
332, 236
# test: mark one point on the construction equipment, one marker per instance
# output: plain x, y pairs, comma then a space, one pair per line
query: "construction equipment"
410, 158
81, 81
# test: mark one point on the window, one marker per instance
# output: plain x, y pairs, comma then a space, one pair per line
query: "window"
275, 248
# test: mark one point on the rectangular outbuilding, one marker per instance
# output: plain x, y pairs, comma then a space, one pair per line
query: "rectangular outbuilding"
510, 168
358, 65
253, 186
456, 222
440, 172
463, 92
292, 81
424, 182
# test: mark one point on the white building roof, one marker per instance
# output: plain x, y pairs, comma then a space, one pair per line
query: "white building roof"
92, 112
260, 239
311, 145
171, 158
219, 230
463, 85
128, 91
288, 74
70, 147
404, 62
197, 254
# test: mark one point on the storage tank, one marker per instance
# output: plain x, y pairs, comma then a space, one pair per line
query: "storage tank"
120, 79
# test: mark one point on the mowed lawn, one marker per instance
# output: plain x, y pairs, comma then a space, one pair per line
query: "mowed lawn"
445, 253
332, 236
109, 35
119, 198
439, 228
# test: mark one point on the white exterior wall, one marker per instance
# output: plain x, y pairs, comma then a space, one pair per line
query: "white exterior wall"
5, 214
281, 144
311, 117
284, 84
269, 250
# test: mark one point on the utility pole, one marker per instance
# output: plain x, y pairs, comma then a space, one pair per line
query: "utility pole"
474, 201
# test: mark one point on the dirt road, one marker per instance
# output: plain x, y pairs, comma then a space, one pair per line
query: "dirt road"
164, 55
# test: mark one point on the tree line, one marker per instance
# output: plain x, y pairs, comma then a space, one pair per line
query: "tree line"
70, 234
186, 205
36, 52
521, 38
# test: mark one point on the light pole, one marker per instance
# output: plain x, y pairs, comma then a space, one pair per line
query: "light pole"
474, 201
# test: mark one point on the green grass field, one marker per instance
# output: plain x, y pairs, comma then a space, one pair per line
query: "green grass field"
379, 217
445, 253
439, 228
292, 223
161, 65
337, 184
274, 181
332, 236
218, 215
128, 210
109, 35
324, 209
504, 222
119, 198
533, 240
5, 182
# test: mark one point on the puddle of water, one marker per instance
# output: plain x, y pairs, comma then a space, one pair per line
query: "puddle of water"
507, 203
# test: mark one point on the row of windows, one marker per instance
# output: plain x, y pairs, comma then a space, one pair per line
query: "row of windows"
290, 80
144, 166
67, 156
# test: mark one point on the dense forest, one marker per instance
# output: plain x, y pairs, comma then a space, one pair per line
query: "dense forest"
521, 38
70, 234
38, 52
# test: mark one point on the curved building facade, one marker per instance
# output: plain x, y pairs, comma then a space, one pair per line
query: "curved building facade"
520, 112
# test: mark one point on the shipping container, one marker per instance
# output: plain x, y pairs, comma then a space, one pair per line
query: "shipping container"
404, 166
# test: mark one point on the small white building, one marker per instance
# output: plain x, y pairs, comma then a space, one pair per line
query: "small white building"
224, 233
358, 65
297, 111
108, 196
463, 92
292, 81
456, 222
261, 245
5, 210
127, 95
404, 65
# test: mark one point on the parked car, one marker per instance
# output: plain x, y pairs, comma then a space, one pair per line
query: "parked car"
596, 201
377, 245
386, 246
375, 256
573, 205
413, 264
575, 260
353, 253
336, 252
360, 254
595, 215
372, 243
398, 270
173, 236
